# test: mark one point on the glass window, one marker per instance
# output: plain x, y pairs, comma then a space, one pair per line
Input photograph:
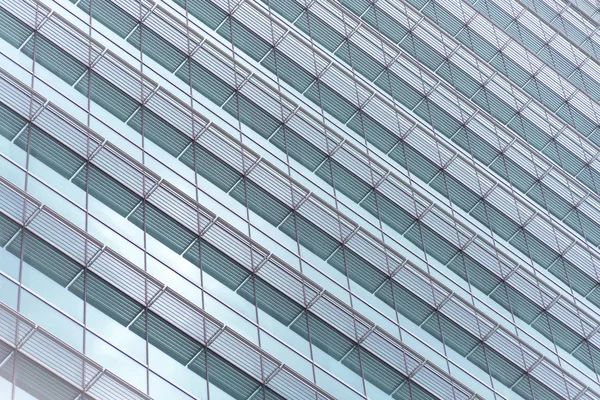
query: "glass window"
443, 17
117, 362
107, 95
109, 14
428, 239
52, 320
205, 82
289, 9
12, 29
260, 201
331, 101
287, 140
477, 43
544, 94
399, 89
288, 70
385, 24
473, 272
251, 114
382, 207
412, 160
243, 38
360, 60
205, 10
153, 45
343, 180
62, 64
319, 30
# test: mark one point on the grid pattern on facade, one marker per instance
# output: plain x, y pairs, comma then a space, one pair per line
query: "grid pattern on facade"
431, 164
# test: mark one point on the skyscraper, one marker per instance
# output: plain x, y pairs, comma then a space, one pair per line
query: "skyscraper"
300, 199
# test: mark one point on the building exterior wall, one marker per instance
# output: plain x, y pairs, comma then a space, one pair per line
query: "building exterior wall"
241, 199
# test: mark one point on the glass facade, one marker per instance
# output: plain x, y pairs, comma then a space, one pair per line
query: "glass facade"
299, 199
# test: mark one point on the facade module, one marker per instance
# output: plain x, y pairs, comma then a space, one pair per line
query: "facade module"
299, 199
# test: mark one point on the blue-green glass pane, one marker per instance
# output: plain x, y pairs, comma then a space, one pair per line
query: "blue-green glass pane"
443, 17
494, 13
577, 119
477, 43
323, 336
343, 180
496, 106
211, 167
399, 89
162, 227
356, 6
458, 78
544, 94
585, 226
494, 219
270, 299
428, 239
439, 118
360, 60
243, 38
332, 102
260, 201
310, 236
422, 51
108, 190
474, 145
389, 212
251, 114
405, 301
564, 157
62, 64
412, 160
549, 200
525, 36
385, 24
376, 134
533, 247
11, 124
454, 190
109, 14
384, 377
45, 258
513, 173
205, 82
289, 9
514, 301
473, 272
221, 373
500, 367
12, 29
556, 331
319, 30
217, 264
107, 95
157, 48
511, 69
288, 70
106, 298
452, 334
205, 10
166, 337
573, 277
49, 150
159, 131
298, 148
358, 269
36, 380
